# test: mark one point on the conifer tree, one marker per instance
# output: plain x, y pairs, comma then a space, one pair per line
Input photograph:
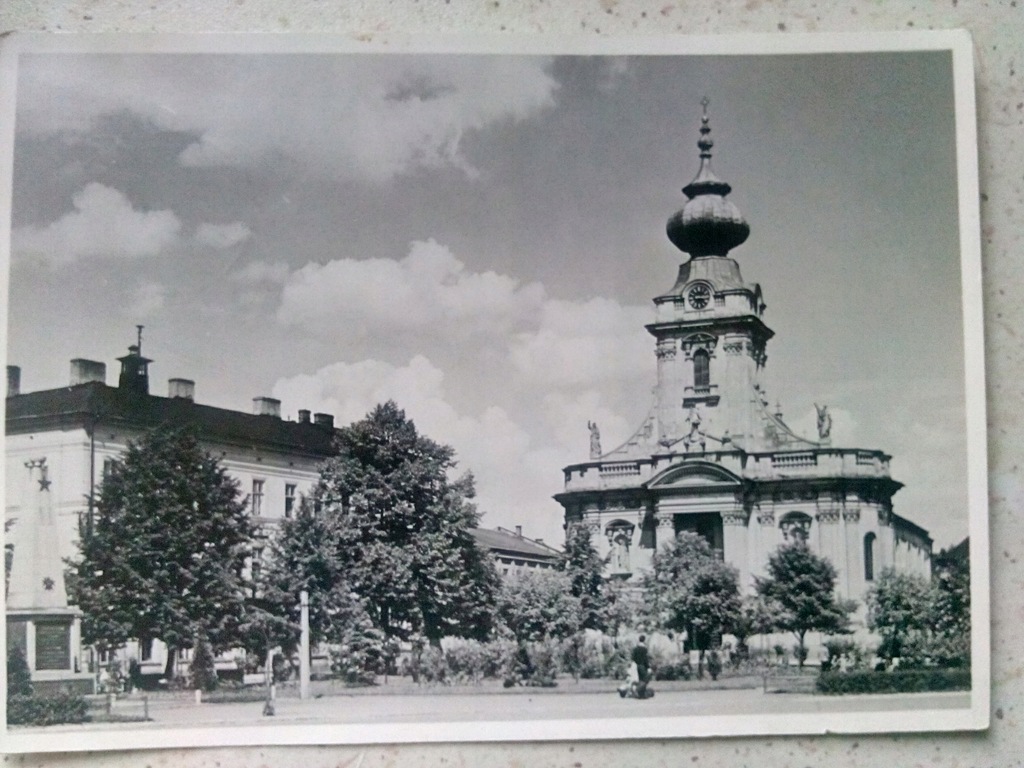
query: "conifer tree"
164, 558
585, 569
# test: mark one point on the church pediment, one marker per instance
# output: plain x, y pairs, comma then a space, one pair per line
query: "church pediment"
694, 474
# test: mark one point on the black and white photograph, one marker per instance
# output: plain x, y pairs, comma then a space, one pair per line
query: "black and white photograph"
460, 389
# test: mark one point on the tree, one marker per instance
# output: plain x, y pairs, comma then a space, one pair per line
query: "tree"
202, 672
165, 557
539, 605
753, 618
951, 608
690, 589
303, 555
404, 541
800, 592
899, 609
585, 569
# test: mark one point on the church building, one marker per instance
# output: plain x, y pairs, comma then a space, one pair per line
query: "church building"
712, 456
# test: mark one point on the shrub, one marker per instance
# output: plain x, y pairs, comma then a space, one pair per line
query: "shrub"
19, 678
358, 659
47, 710
465, 660
677, 669
544, 663
202, 673
909, 681
430, 666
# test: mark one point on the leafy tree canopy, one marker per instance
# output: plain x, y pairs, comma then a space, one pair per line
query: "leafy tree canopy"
800, 590
899, 607
165, 557
403, 537
692, 590
538, 605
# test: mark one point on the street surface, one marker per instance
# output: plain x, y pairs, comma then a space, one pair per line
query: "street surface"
431, 707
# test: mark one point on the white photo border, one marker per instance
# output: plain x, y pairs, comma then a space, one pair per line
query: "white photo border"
958, 42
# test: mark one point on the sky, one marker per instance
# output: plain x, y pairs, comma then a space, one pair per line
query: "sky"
479, 239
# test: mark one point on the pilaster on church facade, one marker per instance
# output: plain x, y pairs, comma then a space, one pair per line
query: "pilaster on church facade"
715, 455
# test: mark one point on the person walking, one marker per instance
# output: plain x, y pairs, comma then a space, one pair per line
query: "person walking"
642, 659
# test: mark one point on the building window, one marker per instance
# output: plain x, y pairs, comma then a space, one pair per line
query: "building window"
701, 370
146, 649
289, 499
256, 499
869, 557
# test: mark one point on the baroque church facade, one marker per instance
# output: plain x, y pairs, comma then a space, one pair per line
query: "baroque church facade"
712, 456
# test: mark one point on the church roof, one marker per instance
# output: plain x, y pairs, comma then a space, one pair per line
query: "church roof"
95, 402
708, 224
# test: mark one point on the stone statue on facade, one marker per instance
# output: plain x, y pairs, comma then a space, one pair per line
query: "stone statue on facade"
824, 421
595, 440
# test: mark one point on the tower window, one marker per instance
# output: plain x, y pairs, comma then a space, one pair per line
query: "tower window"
869, 557
256, 498
701, 370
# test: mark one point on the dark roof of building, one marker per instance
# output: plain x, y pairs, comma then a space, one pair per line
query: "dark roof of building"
501, 540
95, 402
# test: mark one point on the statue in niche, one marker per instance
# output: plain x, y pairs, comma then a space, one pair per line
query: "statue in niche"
619, 554
595, 440
824, 421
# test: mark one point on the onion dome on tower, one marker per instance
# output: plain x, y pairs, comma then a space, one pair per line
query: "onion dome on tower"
708, 225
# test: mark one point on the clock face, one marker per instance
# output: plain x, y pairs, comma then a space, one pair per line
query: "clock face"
699, 296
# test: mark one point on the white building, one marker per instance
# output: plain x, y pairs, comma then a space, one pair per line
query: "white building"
60, 442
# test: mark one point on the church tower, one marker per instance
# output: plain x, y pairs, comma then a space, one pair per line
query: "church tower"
710, 336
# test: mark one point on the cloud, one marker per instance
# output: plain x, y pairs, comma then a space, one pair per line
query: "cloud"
102, 224
147, 299
364, 117
516, 475
276, 272
222, 236
580, 343
428, 289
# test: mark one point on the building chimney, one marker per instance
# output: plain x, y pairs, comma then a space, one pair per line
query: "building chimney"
183, 389
266, 406
303, 416
13, 380
86, 371
519, 531
324, 420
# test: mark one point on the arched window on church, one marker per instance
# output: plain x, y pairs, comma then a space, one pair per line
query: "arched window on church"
701, 370
796, 527
869, 557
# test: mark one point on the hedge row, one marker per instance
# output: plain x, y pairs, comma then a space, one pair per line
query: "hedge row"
47, 710
897, 681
